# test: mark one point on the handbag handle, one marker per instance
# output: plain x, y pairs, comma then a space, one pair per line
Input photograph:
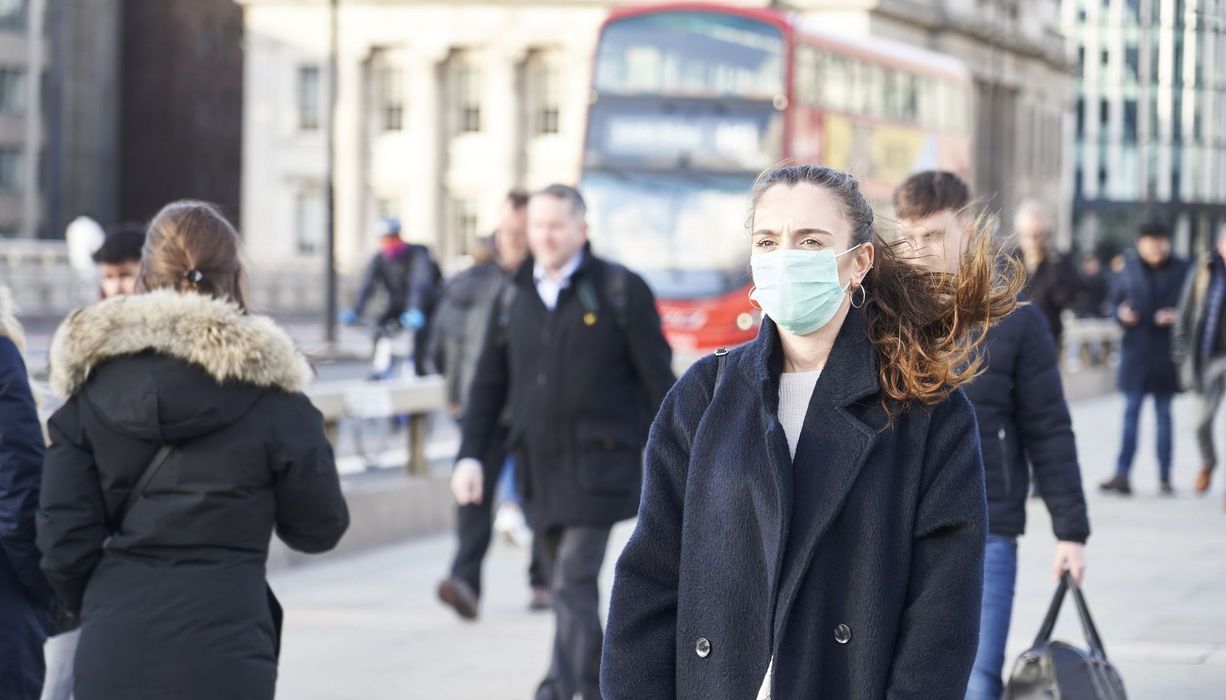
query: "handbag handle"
1083, 613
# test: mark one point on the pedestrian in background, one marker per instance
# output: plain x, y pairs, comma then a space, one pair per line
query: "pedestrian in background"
1093, 290
184, 443
457, 340
813, 515
1199, 347
577, 361
1145, 297
1051, 278
118, 260
1023, 419
25, 598
411, 281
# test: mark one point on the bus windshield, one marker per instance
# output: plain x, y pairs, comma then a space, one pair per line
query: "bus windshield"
684, 233
690, 54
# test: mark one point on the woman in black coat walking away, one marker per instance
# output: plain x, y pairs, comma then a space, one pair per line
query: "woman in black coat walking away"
813, 515
180, 383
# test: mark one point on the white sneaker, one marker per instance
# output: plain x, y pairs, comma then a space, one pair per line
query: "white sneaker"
510, 524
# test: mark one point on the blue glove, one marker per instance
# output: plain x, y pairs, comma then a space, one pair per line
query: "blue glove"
413, 319
348, 317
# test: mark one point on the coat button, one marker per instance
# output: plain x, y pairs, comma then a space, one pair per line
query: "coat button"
702, 648
842, 634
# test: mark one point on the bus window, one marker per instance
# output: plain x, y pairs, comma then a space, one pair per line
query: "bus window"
690, 54
838, 82
808, 76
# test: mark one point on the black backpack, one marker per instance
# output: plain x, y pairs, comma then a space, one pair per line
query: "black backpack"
1059, 671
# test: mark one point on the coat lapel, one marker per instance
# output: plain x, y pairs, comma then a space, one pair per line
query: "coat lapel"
833, 447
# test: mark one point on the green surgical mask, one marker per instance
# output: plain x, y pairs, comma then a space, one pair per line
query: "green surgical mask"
799, 289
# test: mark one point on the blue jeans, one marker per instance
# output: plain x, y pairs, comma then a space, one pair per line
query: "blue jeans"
1132, 416
508, 492
999, 577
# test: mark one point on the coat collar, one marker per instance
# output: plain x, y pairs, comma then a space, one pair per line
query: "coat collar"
850, 373
210, 333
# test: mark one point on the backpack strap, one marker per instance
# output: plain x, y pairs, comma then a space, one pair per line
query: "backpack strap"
616, 283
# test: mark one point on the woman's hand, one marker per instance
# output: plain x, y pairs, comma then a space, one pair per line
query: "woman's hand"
1071, 556
467, 482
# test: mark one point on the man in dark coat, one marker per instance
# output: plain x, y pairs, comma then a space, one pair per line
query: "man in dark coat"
577, 358
411, 280
25, 598
1023, 418
1198, 344
1051, 278
456, 342
1145, 297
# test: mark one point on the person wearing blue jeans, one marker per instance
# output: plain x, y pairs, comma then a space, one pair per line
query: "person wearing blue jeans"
1145, 297
999, 578
1024, 423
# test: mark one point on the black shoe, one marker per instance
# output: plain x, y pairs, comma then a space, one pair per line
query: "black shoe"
1166, 488
1118, 484
459, 596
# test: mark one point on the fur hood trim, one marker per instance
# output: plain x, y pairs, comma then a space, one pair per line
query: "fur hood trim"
210, 333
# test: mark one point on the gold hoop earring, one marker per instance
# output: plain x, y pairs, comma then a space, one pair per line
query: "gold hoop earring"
753, 304
863, 296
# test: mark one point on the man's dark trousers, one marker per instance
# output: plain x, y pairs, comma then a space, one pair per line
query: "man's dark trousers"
574, 555
475, 524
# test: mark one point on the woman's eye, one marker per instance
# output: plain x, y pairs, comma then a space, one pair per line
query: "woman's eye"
765, 243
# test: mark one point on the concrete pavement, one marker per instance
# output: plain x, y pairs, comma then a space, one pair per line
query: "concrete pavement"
367, 626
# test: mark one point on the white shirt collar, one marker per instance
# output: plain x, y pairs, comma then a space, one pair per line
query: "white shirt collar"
568, 270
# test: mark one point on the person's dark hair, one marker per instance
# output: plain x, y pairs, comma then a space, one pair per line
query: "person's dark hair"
929, 192
191, 247
122, 244
1153, 229
518, 199
925, 325
567, 194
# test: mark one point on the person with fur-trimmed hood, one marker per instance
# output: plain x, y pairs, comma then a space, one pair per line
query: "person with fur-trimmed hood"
24, 596
181, 384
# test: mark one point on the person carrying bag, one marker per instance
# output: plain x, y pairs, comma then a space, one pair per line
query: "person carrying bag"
1060, 670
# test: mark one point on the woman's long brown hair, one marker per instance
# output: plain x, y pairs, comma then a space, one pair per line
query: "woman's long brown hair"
191, 247
926, 326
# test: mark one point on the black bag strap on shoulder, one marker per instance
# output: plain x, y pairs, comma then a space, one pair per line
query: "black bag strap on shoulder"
146, 477
616, 282
721, 357
1083, 612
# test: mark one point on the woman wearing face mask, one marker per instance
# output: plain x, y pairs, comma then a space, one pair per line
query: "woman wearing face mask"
813, 516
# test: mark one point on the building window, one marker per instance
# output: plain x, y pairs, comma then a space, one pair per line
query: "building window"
12, 176
545, 90
310, 224
1130, 121
12, 90
308, 98
13, 14
468, 96
464, 225
388, 94
387, 208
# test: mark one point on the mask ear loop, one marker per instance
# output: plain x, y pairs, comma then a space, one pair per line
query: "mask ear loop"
752, 303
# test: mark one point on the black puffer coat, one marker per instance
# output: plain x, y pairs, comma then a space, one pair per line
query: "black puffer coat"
173, 604
1023, 421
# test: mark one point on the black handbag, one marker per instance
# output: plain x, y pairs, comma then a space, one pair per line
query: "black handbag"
1060, 671
146, 477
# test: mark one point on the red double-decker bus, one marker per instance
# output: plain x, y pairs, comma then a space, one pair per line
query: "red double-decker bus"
690, 102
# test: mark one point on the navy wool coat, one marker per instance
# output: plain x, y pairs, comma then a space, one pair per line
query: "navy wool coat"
858, 567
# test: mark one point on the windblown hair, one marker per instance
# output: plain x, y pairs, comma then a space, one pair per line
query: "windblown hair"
191, 247
925, 325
